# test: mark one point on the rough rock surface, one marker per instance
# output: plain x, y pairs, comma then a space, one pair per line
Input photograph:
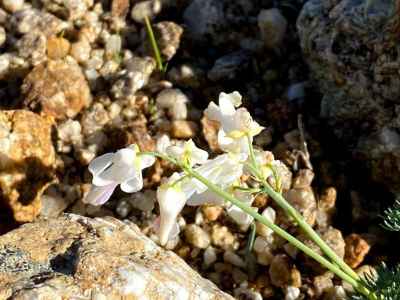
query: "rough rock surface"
57, 88
352, 49
26, 162
76, 257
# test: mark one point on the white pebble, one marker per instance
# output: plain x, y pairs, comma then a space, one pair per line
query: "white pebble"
113, 45
123, 208
13, 5
143, 201
174, 100
209, 256
263, 230
70, 131
292, 293
234, 259
81, 50
2, 35
4, 64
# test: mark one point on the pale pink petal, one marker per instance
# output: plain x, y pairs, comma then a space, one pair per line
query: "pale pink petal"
99, 195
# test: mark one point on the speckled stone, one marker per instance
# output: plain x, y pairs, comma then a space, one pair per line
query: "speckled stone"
27, 161
57, 88
73, 257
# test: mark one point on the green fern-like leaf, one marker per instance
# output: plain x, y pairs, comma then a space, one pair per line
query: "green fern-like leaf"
385, 283
391, 217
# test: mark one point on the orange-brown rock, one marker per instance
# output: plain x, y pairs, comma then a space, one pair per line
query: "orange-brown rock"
26, 162
355, 250
57, 88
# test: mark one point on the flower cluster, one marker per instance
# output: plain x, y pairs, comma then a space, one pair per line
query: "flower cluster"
236, 133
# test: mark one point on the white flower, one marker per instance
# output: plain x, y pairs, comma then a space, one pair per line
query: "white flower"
123, 168
188, 153
182, 151
171, 200
223, 171
180, 189
236, 125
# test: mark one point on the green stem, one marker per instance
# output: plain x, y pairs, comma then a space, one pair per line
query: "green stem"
279, 231
282, 233
154, 44
292, 212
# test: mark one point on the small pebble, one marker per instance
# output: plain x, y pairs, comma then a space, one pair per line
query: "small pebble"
113, 46
2, 35
174, 100
292, 293
182, 129
222, 237
279, 271
356, 250
234, 259
209, 256
81, 50
263, 230
196, 236
123, 208
211, 213
13, 5
57, 47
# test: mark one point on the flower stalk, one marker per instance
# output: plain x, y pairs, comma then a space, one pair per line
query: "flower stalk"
333, 267
292, 212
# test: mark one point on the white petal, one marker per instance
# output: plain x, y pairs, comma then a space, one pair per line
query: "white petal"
207, 197
162, 143
99, 164
199, 156
234, 97
213, 112
100, 181
125, 156
98, 195
132, 185
173, 233
146, 161
226, 105
117, 173
175, 151
171, 202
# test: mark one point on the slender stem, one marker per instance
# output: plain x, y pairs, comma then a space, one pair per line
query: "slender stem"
279, 231
154, 44
291, 211
252, 237
291, 239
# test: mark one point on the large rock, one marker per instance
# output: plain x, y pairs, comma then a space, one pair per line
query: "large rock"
26, 162
352, 49
74, 257
57, 88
